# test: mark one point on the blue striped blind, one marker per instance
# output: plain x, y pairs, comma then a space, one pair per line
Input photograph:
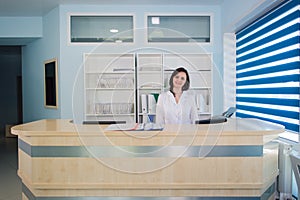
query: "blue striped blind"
268, 67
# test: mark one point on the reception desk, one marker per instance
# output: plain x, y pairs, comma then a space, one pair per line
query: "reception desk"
233, 160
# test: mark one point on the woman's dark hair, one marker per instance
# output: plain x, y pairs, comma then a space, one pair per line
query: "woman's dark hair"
186, 86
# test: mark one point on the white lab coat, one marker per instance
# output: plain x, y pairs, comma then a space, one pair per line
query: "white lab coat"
169, 112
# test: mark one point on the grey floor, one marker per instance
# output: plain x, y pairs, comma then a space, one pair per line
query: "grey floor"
10, 184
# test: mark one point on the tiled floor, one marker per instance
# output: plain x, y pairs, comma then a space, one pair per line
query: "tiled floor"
10, 184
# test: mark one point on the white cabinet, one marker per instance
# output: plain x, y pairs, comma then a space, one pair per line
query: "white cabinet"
149, 85
125, 87
109, 87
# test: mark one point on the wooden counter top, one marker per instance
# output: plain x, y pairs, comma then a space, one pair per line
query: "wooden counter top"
63, 127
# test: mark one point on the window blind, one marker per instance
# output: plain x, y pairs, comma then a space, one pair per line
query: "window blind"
268, 67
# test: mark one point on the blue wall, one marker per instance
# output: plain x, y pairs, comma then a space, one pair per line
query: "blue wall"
20, 27
20, 30
55, 43
236, 12
33, 57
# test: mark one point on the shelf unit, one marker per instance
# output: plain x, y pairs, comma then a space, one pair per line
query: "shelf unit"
149, 85
109, 87
125, 87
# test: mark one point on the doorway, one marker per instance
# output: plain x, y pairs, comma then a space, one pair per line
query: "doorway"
11, 111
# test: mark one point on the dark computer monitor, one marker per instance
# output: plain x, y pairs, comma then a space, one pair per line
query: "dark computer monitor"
212, 120
218, 118
104, 122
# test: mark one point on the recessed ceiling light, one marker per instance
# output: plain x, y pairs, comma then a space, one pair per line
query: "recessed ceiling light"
114, 30
155, 20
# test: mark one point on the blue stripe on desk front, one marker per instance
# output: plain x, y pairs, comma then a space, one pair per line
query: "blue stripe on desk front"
142, 151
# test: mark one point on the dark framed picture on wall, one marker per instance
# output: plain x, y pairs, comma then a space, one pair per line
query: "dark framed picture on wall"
50, 84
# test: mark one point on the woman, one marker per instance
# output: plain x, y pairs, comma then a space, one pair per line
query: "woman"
176, 106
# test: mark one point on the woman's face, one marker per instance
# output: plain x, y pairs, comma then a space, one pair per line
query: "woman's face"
179, 80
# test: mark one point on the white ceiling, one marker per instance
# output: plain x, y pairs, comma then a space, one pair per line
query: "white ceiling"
41, 7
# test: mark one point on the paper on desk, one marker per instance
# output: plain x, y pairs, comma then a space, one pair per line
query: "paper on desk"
135, 127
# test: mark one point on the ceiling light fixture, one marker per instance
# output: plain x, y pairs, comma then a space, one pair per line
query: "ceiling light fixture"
155, 20
113, 30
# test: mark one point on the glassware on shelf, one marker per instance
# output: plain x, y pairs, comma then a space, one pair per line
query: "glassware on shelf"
116, 82
113, 108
